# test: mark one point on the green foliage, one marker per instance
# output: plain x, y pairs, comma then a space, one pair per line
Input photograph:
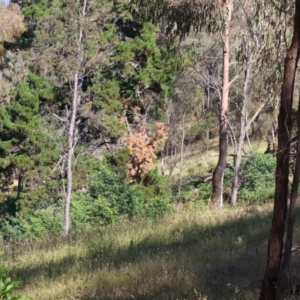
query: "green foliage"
108, 109
87, 211
157, 207
33, 224
7, 285
205, 192
153, 184
120, 158
257, 180
113, 187
24, 142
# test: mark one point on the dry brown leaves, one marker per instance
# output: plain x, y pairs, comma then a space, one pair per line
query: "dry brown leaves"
11, 23
143, 144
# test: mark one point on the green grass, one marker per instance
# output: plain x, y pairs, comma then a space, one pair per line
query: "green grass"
196, 254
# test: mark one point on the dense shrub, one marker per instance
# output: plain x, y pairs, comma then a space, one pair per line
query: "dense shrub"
157, 207
85, 210
153, 184
37, 223
112, 186
257, 180
109, 197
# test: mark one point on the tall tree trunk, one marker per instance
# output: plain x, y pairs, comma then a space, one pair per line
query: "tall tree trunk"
245, 124
71, 135
275, 245
240, 146
286, 264
71, 146
181, 163
218, 174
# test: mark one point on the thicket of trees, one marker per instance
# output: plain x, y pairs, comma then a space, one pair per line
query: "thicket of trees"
93, 91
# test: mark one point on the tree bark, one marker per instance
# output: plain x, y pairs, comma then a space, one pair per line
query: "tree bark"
71, 137
181, 163
275, 245
218, 174
66, 221
287, 258
244, 127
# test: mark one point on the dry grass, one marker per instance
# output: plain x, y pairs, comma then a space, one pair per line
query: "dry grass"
201, 158
196, 254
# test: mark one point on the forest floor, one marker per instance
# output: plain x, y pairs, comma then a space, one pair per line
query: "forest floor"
195, 254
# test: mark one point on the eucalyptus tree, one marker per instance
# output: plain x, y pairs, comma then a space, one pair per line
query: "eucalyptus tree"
79, 71
254, 57
218, 174
67, 52
278, 264
183, 17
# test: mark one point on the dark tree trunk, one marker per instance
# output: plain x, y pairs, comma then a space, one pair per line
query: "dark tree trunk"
284, 276
275, 246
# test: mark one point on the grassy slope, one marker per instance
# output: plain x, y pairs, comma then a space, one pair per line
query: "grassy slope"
197, 254
198, 160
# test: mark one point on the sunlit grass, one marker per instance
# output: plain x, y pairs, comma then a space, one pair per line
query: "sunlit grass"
200, 159
196, 254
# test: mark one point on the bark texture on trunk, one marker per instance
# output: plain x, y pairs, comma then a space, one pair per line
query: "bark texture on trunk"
66, 221
275, 245
71, 135
218, 174
284, 276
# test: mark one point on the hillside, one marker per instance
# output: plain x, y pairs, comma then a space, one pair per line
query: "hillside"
196, 254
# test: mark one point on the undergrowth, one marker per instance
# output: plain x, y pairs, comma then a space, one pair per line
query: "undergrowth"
196, 254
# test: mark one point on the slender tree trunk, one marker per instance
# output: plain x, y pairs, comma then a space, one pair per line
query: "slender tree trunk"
71, 137
275, 245
181, 163
244, 127
66, 221
162, 166
218, 174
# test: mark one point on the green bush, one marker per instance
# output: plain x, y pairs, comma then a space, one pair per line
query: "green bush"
157, 207
112, 185
85, 210
205, 192
153, 184
109, 197
257, 179
119, 159
32, 224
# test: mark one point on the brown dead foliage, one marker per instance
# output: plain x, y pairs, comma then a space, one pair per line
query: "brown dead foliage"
11, 22
143, 144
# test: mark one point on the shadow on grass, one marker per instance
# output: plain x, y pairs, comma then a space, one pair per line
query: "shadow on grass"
221, 261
